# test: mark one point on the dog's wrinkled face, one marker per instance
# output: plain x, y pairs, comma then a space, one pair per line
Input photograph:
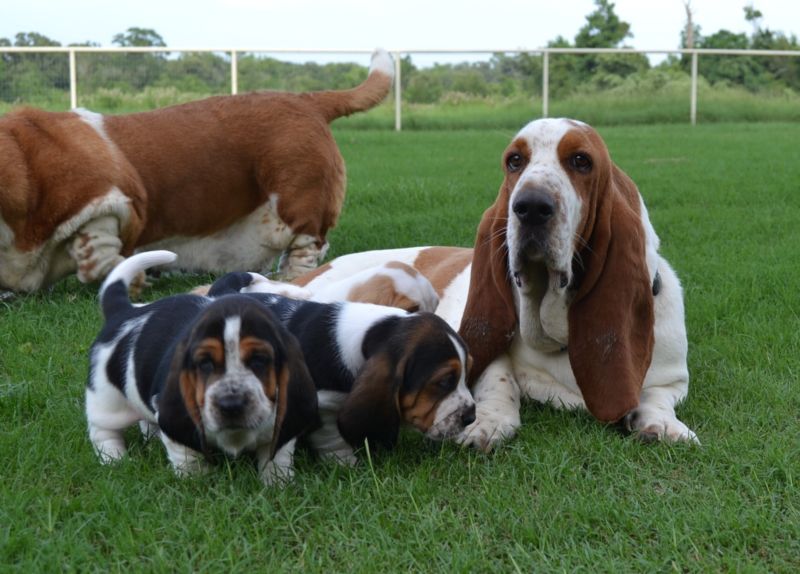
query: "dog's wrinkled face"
434, 397
550, 168
230, 379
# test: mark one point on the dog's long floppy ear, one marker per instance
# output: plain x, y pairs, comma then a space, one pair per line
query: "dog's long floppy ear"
371, 411
611, 318
490, 316
298, 411
181, 401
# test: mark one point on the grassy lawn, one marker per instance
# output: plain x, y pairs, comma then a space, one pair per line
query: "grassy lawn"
567, 494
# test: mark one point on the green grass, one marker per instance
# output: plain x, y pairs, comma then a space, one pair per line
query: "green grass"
629, 104
567, 494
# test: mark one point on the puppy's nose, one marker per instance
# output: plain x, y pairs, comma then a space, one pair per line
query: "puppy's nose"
468, 416
534, 207
232, 405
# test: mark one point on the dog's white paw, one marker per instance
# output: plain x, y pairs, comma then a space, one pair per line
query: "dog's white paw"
275, 474
649, 427
149, 430
344, 457
491, 427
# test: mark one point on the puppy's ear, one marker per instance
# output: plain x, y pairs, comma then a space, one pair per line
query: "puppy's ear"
297, 396
230, 283
490, 317
371, 411
611, 318
180, 403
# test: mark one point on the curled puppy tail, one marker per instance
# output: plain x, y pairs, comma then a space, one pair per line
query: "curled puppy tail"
114, 290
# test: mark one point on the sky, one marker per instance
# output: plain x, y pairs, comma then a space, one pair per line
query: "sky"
362, 25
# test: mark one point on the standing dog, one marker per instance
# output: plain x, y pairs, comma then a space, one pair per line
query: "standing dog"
229, 182
375, 368
210, 373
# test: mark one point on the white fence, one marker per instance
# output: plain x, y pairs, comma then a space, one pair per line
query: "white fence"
72, 53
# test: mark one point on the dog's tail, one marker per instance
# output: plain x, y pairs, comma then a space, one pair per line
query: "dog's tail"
337, 103
114, 290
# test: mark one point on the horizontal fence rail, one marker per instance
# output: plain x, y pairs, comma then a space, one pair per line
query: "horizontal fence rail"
71, 54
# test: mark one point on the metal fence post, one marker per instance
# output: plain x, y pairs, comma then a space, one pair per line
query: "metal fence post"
545, 83
234, 73
693, 104
73, 81
398, 120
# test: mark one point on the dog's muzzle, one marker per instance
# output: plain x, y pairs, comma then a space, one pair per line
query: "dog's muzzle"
534, 207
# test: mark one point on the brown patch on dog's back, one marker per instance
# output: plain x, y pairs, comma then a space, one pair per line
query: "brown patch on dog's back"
307, 278
442, 264
380, 290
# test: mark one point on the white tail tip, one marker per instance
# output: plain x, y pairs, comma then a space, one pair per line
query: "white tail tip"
382, 62
135, 264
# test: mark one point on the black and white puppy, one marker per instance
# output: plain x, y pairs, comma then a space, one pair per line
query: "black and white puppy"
375, 368
211, 372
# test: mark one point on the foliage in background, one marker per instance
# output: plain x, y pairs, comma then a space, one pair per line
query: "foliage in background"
43, 79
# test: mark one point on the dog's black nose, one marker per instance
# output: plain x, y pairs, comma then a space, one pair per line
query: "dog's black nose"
534, 207
468, 416
231, 405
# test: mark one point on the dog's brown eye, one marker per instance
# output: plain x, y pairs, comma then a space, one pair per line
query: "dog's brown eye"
581, 162
206, 365
447, 383
258, 363
514, 162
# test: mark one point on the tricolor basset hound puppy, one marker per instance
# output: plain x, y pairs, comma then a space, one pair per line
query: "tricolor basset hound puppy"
375, 369
228, 183
210, 374
564, 298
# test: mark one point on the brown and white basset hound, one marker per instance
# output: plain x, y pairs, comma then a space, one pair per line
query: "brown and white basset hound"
392, 284
564, 298
228, 183
205, 373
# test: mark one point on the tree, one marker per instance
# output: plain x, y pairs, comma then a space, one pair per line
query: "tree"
32, 39
138, 70
603, 28
138, 37
754, 17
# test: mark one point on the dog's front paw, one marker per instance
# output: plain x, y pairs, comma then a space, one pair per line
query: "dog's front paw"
275, 474
650, 427
491, 427
344, 456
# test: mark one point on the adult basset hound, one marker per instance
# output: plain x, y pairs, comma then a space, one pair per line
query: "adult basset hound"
229, 182
375, 367
564, 298
209, 374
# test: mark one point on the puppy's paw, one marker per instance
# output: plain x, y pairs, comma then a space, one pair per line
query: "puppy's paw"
651, 427
149, 430
110, 451
191, 467
276, 475
491, 427
344, 457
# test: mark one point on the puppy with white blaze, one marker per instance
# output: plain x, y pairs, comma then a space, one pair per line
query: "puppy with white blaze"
211, 374
375, 368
